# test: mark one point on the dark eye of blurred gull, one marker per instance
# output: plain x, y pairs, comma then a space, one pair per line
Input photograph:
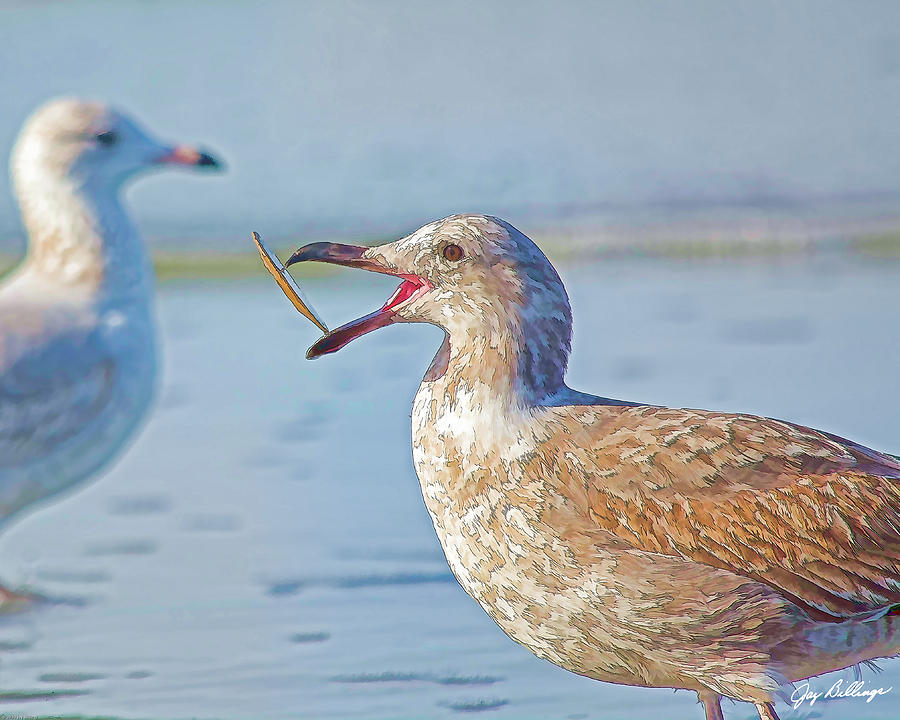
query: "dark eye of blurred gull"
453, 253
108, 138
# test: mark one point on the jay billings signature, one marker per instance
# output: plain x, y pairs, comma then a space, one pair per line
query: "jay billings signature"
855, 689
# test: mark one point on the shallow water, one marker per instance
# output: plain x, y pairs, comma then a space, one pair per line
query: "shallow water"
262, 551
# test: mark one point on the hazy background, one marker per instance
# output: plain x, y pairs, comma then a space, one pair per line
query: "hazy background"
368, 118
717, 183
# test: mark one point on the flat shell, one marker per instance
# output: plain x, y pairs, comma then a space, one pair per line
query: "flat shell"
287, 284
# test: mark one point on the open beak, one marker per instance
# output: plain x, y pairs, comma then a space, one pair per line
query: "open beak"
191, 157
356, 256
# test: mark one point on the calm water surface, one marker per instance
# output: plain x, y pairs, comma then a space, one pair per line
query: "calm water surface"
263, 551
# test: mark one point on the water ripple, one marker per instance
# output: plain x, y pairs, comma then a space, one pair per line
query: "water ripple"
474, 705
122, 547
139, 505
70, 677
391, 676
291, 586
310, 637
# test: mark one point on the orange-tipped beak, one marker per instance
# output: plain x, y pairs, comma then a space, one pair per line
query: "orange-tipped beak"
183, 155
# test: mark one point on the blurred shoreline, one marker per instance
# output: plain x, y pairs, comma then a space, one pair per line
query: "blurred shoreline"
745, 234
729, 233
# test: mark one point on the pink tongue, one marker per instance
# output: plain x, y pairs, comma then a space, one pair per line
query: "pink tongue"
402, 293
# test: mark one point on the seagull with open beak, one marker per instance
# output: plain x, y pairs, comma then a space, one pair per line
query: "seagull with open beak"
726, 554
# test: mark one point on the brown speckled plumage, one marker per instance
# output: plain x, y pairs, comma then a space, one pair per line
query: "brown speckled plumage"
726, 554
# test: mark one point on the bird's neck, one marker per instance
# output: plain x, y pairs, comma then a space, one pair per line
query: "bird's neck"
502, 370
80, 236
507, 364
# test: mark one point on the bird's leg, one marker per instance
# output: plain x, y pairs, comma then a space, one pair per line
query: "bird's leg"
712, 704
766, 711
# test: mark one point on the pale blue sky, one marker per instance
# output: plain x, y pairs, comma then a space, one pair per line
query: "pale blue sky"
368, 118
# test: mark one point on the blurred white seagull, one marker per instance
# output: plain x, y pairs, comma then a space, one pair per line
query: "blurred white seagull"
77, 339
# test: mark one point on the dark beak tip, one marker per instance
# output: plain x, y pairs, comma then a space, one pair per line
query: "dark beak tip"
317, 350
209, 162
335, 253
296, 257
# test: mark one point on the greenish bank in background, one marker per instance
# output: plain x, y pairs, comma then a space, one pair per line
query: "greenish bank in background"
175, 265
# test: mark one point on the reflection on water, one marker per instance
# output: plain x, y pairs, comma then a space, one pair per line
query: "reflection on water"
263, 551
139, 505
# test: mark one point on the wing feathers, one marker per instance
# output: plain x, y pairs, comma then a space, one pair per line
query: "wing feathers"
811, 514
56, 377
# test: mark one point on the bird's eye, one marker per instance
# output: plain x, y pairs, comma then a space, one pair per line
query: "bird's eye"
108, 138
453, 253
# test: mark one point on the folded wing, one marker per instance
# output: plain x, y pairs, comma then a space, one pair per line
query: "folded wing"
811, 514
58, 373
